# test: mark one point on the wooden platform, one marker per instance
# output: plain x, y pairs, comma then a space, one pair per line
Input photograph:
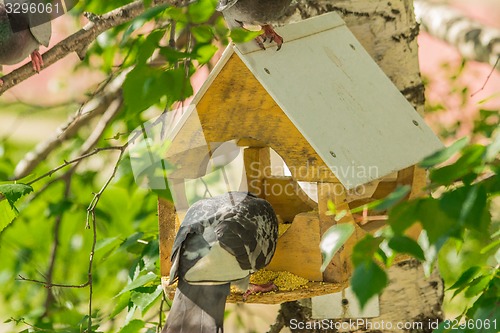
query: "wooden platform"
310, 290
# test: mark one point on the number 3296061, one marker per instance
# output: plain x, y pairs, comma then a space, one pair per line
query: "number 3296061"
470, 324
31, 8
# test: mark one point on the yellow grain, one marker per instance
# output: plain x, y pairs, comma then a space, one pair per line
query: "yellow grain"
285, 281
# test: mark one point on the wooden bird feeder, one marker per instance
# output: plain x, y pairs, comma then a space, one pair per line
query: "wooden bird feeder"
335, 119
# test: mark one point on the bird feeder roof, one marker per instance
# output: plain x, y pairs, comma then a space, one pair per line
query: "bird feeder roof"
342, 103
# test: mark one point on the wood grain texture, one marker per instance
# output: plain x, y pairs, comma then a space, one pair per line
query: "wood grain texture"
339, 269
236, 106
167, 226
297, 251
287, 198
257, 165
310, 290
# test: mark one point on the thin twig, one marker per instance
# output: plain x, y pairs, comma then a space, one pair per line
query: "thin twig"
91, 215
75, 160
488, 77
55, 245
52, 285
97, 105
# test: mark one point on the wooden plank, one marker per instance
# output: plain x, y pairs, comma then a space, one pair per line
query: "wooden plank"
257, 164
350, 112
298, 251
234, 107
339, 269
310, 290
286, 197
167, 227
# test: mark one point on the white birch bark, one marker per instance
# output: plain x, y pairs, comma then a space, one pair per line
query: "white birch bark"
474, 41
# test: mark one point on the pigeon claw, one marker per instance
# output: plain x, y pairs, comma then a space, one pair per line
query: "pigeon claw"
36, 61
272, 35
259, 288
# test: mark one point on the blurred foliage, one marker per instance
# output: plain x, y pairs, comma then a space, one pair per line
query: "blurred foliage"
460, 219
459, 233
44, 234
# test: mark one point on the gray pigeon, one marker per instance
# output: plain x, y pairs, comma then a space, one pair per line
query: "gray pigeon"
22, 33
255, 12
221, 241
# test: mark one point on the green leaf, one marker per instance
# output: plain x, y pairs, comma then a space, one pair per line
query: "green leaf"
144, 300
404, 244
472, 157
205, 52
123, 302
140, 20
177, 14
145, 86
468, 206
58, 208
444, 154
389, 201
139, 282
368, 280
331, 207
435, 221
240, 35
203, 33
365, 249
133, 326
493, 149
403, 216
149, 45
493, 245
13, 192
487, 310
102, 243
478, 285
393, 198
7, 214
201, 11
332, 240
466, 277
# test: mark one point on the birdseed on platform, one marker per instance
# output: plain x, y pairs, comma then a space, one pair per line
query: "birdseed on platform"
285, 281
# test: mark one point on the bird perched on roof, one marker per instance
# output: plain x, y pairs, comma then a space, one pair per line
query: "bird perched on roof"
21, 33
221, 241
255, 12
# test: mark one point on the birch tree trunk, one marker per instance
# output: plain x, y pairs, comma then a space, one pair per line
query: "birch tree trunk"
474, 41
388, 31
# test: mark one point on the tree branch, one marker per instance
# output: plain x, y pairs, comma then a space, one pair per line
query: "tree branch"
51, 285
49, 299
91, 109
80, 40
474, 40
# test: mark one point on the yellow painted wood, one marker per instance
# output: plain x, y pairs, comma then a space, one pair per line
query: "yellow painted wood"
310, 290
297, 250
339, 269
257, 165
286, 197
236, 106
167, 221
